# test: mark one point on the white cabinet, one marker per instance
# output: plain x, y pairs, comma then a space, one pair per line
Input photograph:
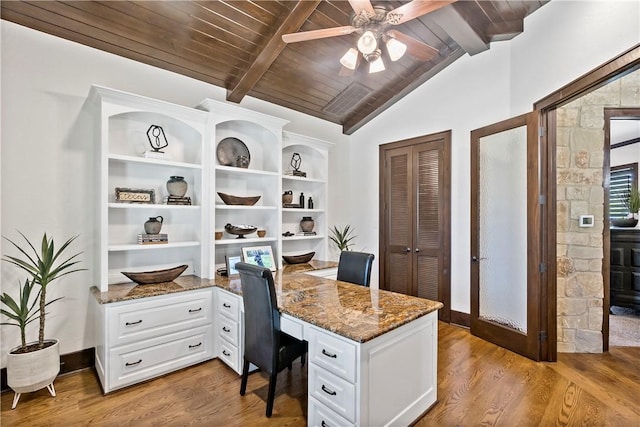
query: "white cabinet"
142, 339
123, 129
313, 155
258, 137
228, 329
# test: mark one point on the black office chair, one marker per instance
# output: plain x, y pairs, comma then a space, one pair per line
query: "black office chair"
265, 345
355, 267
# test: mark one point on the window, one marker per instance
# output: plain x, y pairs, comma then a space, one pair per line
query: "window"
622, 179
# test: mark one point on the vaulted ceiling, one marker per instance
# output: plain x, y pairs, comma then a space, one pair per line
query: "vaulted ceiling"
237, 45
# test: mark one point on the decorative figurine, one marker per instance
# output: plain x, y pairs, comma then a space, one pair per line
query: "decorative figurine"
154, 133
296, 161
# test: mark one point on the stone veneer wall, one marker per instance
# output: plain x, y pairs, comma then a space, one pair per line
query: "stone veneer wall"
579, 157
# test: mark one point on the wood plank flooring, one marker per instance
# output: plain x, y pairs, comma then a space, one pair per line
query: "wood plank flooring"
478, 384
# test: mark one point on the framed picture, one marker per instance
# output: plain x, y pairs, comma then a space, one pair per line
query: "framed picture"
259, 255
231, 262
135, 195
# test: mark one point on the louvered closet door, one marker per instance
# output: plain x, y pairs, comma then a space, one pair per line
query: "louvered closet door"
427, 236
399, 221
415, 224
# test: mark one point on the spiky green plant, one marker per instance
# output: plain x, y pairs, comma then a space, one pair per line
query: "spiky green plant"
342, 237
23, 311
44, 268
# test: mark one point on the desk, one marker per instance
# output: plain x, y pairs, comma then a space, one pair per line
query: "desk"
376, 350
372, 353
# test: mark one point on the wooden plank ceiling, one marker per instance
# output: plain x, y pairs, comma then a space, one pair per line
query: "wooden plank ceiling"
238, 45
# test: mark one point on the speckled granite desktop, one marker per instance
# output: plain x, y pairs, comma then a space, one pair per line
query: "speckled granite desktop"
352, 311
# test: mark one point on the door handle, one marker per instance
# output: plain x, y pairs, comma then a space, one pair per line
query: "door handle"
476, 259
417, 250
408, 250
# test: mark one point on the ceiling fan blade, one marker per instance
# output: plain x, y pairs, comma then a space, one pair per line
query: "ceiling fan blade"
360, 5
317, 34
415, 9
419, 50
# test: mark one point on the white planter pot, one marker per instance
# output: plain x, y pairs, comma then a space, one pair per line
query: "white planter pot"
32, 371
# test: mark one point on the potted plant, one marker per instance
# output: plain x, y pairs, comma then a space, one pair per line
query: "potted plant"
342, 237
32, 366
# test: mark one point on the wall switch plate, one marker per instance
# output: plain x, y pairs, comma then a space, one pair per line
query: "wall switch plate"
586, 221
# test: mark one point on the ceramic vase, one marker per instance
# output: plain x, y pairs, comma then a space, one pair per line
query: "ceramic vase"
153, 225
177, 186
306, 224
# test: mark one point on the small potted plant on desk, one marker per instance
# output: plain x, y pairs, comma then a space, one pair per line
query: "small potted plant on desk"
34, 365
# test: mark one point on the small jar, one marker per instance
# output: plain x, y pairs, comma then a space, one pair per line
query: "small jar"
287, 197
242, 162
153, 225
306, 224
177, 186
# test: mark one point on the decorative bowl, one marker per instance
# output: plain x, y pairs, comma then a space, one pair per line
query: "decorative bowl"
229, 199
298, 259
157, 276
240, 230
624, 222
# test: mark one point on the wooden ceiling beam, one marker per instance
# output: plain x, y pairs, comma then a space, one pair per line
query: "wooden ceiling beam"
460, 30
292, 23
505, 30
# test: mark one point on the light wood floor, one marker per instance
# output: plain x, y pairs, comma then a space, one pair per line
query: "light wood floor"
478, 384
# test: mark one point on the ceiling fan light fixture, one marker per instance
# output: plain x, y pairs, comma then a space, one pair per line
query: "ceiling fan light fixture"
350, 59
396, 49
376, 66
367, 43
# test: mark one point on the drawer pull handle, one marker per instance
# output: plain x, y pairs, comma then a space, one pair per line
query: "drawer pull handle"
331, 355
134, 363
196, 310
224, 328
328, 390
225, 305
323, 424
133, 323
195, 346
226, 353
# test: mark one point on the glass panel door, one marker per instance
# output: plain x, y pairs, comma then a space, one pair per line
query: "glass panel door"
505, 235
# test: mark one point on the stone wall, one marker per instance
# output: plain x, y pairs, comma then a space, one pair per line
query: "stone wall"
579, 157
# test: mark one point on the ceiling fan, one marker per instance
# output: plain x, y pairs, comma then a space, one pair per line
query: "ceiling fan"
372, 23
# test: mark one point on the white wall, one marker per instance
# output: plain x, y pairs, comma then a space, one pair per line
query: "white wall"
47, 180
562, 41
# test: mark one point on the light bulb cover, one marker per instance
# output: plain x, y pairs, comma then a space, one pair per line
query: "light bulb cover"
350, 59
376, 66
396, 49
367, 42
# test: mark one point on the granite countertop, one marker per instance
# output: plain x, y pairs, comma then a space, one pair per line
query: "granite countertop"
352, 311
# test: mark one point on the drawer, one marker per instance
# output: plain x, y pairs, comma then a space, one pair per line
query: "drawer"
231, 356
291, 327
321, 416
134, 322
332, 391
228, 304
333, 354
141, 361
229, 330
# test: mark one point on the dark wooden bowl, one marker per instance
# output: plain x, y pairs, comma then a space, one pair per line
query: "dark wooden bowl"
298, 259
157, 276
624, 222
229, 199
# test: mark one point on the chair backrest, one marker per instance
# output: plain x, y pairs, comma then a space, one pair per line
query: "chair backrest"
355, 267
261, 316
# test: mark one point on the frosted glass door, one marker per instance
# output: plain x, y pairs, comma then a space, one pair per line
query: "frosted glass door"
503, 228
506, 235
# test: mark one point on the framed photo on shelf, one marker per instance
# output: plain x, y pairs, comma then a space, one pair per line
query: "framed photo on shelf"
231, 262
259, 255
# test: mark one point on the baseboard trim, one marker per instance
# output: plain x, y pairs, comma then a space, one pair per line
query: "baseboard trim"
68, 363
462, 319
